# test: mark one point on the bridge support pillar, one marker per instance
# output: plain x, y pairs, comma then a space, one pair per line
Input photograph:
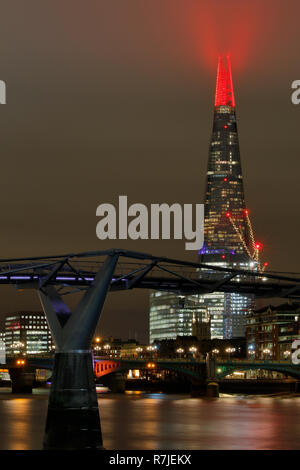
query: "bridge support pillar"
73, 420
115, 382
212, 389
21, 380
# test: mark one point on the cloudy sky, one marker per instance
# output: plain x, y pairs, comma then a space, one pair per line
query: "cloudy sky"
116, 97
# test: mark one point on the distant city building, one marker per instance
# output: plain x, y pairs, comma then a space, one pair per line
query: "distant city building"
201, 325
172, 315
27, 332
115, 347
189, 346
2, 336
271, 330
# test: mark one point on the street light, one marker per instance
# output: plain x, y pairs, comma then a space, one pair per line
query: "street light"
287, 354
193, 350
180, 351
266, 351
215, 351
229, 351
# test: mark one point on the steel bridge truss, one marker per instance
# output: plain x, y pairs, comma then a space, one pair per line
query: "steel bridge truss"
70, 273
73, 420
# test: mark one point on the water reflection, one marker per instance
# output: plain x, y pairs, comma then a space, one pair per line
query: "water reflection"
22, 423
157, 421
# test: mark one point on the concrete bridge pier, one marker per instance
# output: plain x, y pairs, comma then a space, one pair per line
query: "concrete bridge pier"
207, 384
212, 386
115, 381
73, 420
22, 379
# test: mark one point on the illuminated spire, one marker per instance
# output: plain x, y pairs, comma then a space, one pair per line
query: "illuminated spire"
224, 88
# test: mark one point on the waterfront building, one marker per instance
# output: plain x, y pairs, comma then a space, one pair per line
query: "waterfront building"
27, 332
227, 238
271, 330
173, 315
115, 347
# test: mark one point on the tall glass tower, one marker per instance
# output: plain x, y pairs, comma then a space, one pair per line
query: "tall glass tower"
226, 232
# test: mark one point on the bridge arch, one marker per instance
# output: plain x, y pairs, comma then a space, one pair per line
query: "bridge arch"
288, 369
107, 366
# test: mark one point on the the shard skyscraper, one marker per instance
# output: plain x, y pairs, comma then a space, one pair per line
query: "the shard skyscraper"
226, 232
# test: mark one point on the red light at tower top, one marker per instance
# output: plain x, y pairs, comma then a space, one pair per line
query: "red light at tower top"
224, 89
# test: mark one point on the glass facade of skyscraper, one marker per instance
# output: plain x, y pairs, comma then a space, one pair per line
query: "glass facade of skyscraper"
226, 231
172, 315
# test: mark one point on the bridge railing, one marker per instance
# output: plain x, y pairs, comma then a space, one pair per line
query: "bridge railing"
192, 360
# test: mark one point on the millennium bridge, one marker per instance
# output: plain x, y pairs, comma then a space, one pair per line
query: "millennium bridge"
73, 420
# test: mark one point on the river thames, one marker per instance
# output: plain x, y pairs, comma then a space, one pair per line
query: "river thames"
152, 421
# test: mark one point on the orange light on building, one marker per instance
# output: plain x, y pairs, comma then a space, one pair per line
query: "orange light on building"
151, 365
20, 362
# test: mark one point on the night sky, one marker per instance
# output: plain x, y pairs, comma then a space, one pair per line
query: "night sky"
109, 98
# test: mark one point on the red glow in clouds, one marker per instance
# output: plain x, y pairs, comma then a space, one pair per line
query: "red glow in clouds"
240, 28
189, 33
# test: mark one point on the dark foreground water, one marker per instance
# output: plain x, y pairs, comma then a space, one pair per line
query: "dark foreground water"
158, 421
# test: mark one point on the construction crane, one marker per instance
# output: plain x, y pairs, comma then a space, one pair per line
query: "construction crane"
254, 248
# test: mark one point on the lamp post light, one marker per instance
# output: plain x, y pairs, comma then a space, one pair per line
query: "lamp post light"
150, 349
215, 351
139, 350
180, 351
193, 350
266, 352
230, 351
287, 354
